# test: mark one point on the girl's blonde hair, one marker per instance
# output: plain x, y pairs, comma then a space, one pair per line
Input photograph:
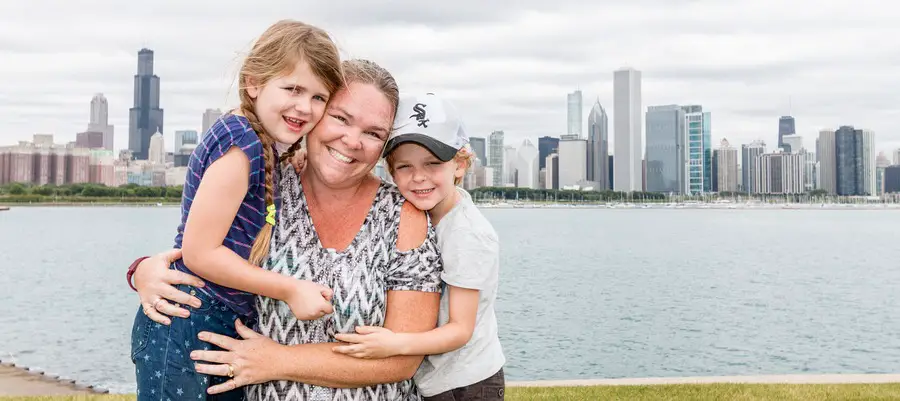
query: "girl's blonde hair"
275, 53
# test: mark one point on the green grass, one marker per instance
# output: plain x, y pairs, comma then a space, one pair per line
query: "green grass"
681, 392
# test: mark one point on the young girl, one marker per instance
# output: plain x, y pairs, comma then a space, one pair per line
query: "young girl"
229, 208
427, 156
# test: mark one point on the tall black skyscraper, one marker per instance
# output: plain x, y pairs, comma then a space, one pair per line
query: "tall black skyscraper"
546, 146
145, 118
785, 127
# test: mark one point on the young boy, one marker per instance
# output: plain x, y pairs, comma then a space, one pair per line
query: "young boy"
427, 156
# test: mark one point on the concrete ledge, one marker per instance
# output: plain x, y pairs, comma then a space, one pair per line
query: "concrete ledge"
15, 380
766, 379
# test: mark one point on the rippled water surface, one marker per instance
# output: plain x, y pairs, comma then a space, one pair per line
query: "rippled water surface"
584, 293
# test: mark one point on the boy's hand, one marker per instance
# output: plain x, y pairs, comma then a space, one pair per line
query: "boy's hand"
372, 342
299, 160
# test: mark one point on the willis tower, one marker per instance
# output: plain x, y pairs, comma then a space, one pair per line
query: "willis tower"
145, 118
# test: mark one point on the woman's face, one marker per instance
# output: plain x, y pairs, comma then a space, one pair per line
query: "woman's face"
347, 143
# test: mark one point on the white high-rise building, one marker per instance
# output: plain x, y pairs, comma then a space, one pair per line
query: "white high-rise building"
574, 113
551, 172
572, 161
896, 157
100, 120
209, 118
628, 131
794, 142
157, 149
527, 166
509, 166
868, 158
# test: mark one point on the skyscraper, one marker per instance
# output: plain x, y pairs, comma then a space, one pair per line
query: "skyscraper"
527, 166
478, 146
495, 157
546, 146
727, 167
209, 118
699, 149
574, 113
157, 149
627, 130
145, 118
785, 127
598, 146
854, 161
825, 154
100, 120
666, 151
572, 161
750, 159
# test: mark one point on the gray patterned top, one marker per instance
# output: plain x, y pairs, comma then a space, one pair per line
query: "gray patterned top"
360, 277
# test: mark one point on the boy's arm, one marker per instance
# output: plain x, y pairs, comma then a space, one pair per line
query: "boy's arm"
470, 266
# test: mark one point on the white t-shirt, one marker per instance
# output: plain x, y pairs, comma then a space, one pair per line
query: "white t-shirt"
470, 251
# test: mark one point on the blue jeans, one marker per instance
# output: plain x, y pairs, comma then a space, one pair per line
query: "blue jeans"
162, 354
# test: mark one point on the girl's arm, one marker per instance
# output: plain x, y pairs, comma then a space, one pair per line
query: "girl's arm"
381, 342
215, 205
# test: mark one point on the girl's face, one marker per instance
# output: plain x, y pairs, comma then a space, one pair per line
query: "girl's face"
345, 146
289, 106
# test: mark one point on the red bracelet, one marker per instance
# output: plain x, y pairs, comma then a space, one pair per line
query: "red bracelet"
132, 269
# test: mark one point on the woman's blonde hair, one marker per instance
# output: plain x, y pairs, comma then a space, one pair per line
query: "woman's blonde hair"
275, 53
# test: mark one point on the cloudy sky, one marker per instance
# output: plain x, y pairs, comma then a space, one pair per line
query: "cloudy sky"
507, 64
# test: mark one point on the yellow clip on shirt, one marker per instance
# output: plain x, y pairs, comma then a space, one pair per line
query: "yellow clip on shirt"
270, 217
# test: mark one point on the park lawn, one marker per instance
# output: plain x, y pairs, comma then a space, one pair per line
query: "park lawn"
678, 392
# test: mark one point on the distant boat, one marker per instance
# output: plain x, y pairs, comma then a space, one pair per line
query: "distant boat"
4, 208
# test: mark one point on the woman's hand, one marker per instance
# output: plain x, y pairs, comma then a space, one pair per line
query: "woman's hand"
155, 285
372, 342
249, 361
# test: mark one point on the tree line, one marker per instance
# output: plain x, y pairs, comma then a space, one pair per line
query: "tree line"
17, 192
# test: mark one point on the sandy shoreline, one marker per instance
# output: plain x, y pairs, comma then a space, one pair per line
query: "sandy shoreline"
18, 381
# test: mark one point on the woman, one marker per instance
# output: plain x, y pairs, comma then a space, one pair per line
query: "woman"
342, 228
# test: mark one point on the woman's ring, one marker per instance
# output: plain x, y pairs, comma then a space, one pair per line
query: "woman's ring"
156, 302
230, 370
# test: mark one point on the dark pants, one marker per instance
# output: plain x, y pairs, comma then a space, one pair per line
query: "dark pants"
161, 354
489, 389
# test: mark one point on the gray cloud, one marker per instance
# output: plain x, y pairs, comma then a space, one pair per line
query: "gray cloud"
508, 64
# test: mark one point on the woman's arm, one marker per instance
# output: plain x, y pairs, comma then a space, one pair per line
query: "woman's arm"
260, 359
381, 342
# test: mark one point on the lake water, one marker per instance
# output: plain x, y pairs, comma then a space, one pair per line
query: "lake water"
592, 293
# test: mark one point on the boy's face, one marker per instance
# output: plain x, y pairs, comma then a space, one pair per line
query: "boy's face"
421, 177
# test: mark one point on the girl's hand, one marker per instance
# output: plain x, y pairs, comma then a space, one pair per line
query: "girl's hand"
155, 285
372, 342
248, 361
309, 300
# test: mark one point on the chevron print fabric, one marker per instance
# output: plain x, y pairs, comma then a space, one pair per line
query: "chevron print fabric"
360, 276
